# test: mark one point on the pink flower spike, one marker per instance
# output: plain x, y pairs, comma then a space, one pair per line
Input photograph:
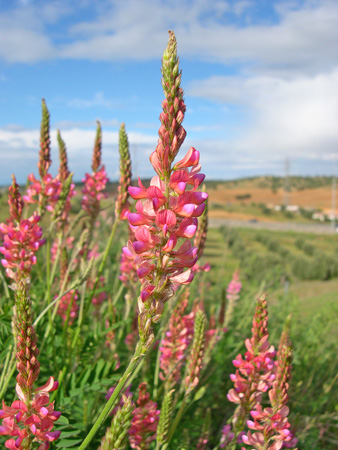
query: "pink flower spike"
191, 159
183, 278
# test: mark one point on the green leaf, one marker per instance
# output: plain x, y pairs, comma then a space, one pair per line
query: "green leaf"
199, 394
62, 420
66, 443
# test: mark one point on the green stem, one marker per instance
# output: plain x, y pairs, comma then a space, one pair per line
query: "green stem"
98, 275
7, 374
177, 420
48, 279
139, 353
157, 367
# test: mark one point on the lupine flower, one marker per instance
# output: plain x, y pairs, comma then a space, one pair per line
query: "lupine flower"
166, 211
117, 434
177, 339
255, 372
272, 423
145, 420
122, 205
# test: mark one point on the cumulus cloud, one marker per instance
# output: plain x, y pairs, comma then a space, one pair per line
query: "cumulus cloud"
18, 144
97, 100
283, 117
299, 39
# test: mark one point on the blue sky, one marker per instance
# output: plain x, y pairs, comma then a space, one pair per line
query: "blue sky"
260, 80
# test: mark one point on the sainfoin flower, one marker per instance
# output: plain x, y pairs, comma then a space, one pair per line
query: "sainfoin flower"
94, 183
255, 372
174, 346
232, 295
166, 211
144, 422
68, 306
271, 424
234, 287
22, 238
122, 204
49, 188
32, 417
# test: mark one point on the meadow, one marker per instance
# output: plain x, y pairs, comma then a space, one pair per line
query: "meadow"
126, 323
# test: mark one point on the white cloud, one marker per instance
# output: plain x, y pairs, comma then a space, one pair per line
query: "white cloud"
283, 118
18, 144
97, 100
302, 41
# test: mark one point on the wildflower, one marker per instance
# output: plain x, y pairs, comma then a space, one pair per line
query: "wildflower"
227, 436
68, 306
165, 418
46, 191
48, 188
272, 423
200, 239
255, 373
22, 238
197, 353
63, 175
203, 440
28, 419
144, 422
116, 435
166, 211
122, 205
177, 339
44, 154
234, 287
31, 418
232, 295
94, 185
126, 395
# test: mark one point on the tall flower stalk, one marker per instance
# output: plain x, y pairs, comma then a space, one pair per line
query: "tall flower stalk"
166, 213
45, 191
94, 183
31, 418
166, 217
255, 372
271, 424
